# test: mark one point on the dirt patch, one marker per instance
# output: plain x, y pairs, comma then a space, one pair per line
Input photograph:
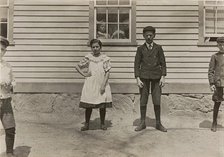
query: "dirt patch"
48, 125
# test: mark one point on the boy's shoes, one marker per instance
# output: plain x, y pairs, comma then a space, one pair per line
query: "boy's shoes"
85, 127
141, 127
214, 127
160, 127
103, 127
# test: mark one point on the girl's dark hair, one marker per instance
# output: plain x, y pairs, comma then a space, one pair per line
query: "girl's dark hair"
96, 41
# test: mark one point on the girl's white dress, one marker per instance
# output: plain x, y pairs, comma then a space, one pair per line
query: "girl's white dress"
91, 96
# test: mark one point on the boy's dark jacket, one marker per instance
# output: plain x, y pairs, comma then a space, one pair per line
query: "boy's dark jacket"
150, 64
216, 70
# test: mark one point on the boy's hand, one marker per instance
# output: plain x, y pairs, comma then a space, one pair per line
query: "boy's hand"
162, 81
213, 88
139, 83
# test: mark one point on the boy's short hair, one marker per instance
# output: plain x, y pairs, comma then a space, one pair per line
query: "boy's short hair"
4, 41
149, 28
220, 40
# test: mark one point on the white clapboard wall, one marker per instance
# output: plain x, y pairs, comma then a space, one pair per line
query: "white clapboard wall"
51, 36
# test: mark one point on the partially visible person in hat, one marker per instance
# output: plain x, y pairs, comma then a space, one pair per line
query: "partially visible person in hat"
150, 70
216, 79
6, 111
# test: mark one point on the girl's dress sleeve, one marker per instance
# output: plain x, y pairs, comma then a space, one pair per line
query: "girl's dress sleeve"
84, 63
106, 64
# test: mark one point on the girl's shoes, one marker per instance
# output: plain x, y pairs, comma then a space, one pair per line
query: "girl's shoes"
85, 127
103, 127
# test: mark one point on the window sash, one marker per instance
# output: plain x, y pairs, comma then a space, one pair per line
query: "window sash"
215, 20
110, 5
117, 22
9, 6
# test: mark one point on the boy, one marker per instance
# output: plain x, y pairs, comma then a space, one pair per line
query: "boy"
150, 70
6, 112
216, 79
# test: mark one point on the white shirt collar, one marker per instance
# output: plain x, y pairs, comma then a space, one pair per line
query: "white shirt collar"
147, 44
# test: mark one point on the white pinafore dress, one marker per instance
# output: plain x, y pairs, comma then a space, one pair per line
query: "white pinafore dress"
91, 96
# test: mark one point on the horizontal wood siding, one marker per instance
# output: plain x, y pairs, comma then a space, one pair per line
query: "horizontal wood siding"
51, 37
178, 21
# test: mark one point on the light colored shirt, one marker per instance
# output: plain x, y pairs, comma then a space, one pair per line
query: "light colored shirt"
149, 46
6, 80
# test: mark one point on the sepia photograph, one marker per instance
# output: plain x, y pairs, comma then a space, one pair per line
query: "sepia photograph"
112, 78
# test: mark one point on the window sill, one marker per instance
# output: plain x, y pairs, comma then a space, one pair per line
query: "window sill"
11, 43
207, 44
118, 43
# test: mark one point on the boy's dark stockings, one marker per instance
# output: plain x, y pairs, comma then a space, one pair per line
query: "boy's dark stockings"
87, 119
9, 140
215, 115
143, 116
102, 118
159, 126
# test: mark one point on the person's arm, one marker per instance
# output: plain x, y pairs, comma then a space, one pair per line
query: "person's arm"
211, 73
163, 67
137, 65
13, 82
105, 80
81, 72
83, 64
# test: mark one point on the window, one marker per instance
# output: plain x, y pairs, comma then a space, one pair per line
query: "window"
211, 21
113, 21
6, 22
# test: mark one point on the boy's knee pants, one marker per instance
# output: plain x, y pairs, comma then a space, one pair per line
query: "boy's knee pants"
155, 91
218, 95
6, 113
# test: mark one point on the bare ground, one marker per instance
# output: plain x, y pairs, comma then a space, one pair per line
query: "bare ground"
48, 125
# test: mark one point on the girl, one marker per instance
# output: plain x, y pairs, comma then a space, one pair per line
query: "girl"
96, 92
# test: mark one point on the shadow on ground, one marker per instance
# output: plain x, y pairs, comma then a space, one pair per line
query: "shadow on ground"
208, 124
95, 124
148, 121
20, 151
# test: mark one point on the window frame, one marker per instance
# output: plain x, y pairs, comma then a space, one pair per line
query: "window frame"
201, 34
10, 7
132, 31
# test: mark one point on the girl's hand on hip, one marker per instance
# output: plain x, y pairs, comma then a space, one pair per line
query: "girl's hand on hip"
213, 88
88, 74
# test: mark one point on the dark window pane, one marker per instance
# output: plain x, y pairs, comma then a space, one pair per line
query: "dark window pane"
113, 15
124, 31
112, 2
112, 31
124, 15
101, 14
124, 2
3, 27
